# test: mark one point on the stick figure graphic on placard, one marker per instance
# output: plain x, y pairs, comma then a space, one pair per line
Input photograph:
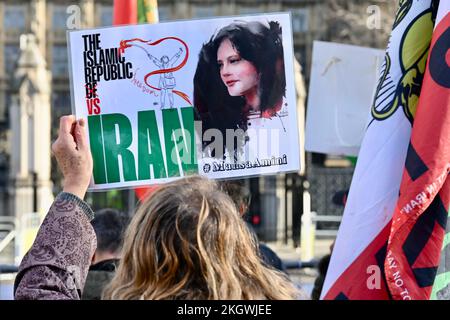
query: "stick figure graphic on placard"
167, 81
166, 66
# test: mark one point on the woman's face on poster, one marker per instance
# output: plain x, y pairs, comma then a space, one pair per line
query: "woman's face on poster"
239, 75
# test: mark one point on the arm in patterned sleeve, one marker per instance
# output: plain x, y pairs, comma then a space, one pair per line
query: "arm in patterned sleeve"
56, 266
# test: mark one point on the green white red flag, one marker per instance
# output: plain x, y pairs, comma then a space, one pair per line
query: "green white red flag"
135, 11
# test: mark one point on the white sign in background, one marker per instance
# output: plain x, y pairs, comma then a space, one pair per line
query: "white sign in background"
343, 81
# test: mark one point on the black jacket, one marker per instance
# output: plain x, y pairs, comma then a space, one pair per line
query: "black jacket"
99, 275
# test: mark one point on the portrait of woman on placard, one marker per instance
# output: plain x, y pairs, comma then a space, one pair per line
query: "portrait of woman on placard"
240, 76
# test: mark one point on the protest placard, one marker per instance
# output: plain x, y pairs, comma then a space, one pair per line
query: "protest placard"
343, 81
213, 97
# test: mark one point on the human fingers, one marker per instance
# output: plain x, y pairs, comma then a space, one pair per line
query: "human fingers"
80, 135
65, 124
65, 145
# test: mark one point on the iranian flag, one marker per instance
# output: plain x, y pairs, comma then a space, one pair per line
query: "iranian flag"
135, 11
420, 216
357, 266
132, 12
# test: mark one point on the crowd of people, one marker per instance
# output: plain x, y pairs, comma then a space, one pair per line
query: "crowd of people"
187, 240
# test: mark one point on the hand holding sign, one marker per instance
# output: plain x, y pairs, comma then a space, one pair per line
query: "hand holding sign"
73, 155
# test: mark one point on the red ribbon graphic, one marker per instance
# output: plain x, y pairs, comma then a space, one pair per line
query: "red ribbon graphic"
126, 44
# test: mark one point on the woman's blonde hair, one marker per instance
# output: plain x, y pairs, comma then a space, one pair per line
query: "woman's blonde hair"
187, 241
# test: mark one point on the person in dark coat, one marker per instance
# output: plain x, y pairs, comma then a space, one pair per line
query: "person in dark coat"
241, 197
318, 283
109, 226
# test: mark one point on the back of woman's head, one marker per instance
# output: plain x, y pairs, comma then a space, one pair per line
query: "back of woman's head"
187, 242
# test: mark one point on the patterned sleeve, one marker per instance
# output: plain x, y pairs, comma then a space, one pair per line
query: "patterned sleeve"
56, 266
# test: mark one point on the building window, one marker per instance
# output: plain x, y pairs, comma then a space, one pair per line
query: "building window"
249, 10
59, 17
61, 100
300, 20
61, 106
204, 11
106, 16
59, 63
10, 58
14, 17
164, 13
7, 105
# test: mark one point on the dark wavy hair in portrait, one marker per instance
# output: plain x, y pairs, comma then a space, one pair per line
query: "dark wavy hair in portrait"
257, 43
